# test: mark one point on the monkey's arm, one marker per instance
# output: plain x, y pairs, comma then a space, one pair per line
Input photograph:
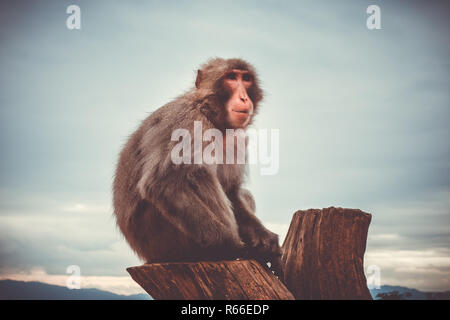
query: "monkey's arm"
261, 243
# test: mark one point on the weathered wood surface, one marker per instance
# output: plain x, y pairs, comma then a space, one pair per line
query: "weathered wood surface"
209, 280
323, 254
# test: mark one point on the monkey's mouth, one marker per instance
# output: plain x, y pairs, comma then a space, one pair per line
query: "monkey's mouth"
241, 111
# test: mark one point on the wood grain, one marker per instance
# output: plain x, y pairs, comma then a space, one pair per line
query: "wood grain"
323, 254
209, 280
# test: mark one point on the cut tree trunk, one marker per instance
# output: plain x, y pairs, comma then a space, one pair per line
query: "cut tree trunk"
212, 280
323, 254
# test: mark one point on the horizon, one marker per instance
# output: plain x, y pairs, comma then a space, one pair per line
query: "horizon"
144, 296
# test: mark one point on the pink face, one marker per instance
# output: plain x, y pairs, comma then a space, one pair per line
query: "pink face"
239, 106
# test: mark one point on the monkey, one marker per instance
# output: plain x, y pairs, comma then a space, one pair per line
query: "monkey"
171, 212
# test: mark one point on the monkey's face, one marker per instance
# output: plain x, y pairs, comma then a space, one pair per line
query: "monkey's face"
239, 106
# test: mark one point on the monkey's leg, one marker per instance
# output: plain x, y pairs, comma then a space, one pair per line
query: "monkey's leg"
191, 199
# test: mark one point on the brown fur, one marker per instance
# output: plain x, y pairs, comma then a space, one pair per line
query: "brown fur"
188, 212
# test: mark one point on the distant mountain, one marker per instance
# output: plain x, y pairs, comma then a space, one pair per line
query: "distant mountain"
19, 290
403, 293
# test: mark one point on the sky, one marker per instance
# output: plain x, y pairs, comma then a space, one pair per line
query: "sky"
362, 117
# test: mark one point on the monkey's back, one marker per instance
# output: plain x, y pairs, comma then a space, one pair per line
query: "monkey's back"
143, 151
146, 156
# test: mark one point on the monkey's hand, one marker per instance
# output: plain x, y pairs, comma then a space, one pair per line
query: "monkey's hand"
262, 245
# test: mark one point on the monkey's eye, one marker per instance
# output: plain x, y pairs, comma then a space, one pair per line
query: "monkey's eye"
246, 77
231, 76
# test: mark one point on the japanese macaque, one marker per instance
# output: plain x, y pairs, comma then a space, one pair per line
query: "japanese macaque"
190, 211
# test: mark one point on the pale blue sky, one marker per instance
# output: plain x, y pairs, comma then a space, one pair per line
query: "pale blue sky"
363, 118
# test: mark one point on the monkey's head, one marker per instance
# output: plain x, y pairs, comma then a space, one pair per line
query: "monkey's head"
231, 90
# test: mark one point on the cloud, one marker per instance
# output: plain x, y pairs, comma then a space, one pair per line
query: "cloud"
384, 237
120, 285
427, 270
83, 234
279, 228
84, 208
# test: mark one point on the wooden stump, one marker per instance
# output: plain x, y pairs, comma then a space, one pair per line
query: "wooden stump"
218, 280
323, 254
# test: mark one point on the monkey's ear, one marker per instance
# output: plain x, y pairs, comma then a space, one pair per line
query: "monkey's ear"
199, 78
